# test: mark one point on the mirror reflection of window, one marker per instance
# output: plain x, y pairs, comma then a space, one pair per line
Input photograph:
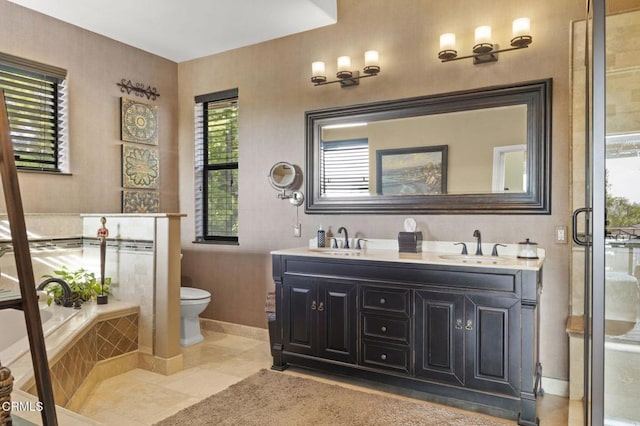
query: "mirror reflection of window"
509, 169
345, 168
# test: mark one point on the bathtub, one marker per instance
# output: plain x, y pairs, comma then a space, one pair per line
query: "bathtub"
13, 330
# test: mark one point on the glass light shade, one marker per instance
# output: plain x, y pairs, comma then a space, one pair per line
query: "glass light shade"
344, 63
371, 58
483, 34
448, 41
317, 69
521, 27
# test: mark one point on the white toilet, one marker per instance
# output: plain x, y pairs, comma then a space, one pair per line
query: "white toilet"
192, 302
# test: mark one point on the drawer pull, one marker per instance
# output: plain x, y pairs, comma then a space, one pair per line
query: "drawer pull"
383, 301
383, 329
383, 357
313, 305
321, 307
469, 325
458, 324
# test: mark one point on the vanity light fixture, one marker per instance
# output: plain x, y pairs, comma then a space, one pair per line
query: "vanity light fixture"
345, 75
483, 49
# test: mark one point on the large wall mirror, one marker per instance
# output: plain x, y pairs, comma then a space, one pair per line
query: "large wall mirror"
480, 151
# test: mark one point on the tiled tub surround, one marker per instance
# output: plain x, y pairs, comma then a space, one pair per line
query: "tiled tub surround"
101, 342
98, 342
142, 259
146, 271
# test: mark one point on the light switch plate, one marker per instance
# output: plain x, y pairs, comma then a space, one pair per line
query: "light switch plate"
561, 234
297, 230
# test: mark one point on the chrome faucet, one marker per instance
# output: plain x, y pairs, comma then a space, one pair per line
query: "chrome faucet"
66, 290
346, 236
476, 234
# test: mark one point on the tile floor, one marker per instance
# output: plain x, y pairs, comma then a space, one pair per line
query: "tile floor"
140, 397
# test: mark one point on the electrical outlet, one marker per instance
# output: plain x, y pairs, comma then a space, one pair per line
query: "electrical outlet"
561, 235
297, 230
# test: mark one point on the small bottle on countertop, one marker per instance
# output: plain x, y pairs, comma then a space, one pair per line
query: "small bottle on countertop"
321, 237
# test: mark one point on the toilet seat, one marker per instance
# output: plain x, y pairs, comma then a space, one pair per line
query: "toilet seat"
190, 293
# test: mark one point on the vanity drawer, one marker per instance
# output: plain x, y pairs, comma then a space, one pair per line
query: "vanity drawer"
385, 299
386, 328
385, 356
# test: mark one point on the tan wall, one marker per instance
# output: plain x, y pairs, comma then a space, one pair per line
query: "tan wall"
94, 64
274, 90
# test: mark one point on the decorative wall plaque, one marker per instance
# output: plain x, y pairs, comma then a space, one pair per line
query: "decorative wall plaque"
140, 167
140, 201
139, 122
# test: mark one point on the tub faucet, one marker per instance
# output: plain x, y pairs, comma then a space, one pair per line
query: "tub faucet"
346, 236
66, 290
476, 234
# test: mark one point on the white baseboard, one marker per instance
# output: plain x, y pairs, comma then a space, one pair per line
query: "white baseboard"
555, 386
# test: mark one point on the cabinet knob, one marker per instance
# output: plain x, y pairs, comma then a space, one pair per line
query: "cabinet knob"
383, 329
321, 306
383, 357
458, 324
313, 305
469, 325
383, 301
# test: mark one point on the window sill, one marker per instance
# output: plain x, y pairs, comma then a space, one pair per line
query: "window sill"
217, 243
45, 172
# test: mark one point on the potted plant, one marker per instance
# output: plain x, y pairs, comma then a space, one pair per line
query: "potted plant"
83, 284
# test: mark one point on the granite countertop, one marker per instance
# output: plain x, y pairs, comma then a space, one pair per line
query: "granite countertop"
433, 253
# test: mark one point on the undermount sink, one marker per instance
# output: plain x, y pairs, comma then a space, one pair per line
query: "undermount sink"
468, 258
336, 251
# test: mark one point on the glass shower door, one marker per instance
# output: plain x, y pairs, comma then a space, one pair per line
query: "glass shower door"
612, 215
622, 223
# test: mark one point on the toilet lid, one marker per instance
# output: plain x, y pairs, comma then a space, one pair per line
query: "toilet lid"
189, 293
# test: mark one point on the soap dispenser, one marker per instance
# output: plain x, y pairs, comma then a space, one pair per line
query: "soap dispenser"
321, 237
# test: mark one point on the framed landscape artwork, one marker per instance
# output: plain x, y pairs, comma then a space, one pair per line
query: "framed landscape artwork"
412, 171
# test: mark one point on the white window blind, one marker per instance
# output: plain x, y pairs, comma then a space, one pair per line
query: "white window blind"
345, 168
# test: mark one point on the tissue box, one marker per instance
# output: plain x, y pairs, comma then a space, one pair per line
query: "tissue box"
410, 242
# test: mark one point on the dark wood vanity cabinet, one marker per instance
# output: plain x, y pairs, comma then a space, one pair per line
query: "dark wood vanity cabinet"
319, 318
468, 339
460, 332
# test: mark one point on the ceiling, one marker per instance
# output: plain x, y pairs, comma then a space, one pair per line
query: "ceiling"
185, 30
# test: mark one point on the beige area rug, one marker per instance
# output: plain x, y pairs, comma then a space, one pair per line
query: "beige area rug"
271, 398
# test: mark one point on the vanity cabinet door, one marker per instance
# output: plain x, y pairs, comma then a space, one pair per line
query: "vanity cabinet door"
299, 315
439, 328
337, 327
493, 343
319, 318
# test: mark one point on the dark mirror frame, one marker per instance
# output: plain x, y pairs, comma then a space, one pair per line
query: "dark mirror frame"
535, 94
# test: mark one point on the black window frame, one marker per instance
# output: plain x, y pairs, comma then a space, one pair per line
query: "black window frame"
230, 95
33, 129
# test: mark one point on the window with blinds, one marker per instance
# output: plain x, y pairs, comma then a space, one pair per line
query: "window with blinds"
217, 166
345, 168
34, 95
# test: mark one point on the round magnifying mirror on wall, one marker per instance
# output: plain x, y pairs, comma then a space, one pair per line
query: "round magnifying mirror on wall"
284, 176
